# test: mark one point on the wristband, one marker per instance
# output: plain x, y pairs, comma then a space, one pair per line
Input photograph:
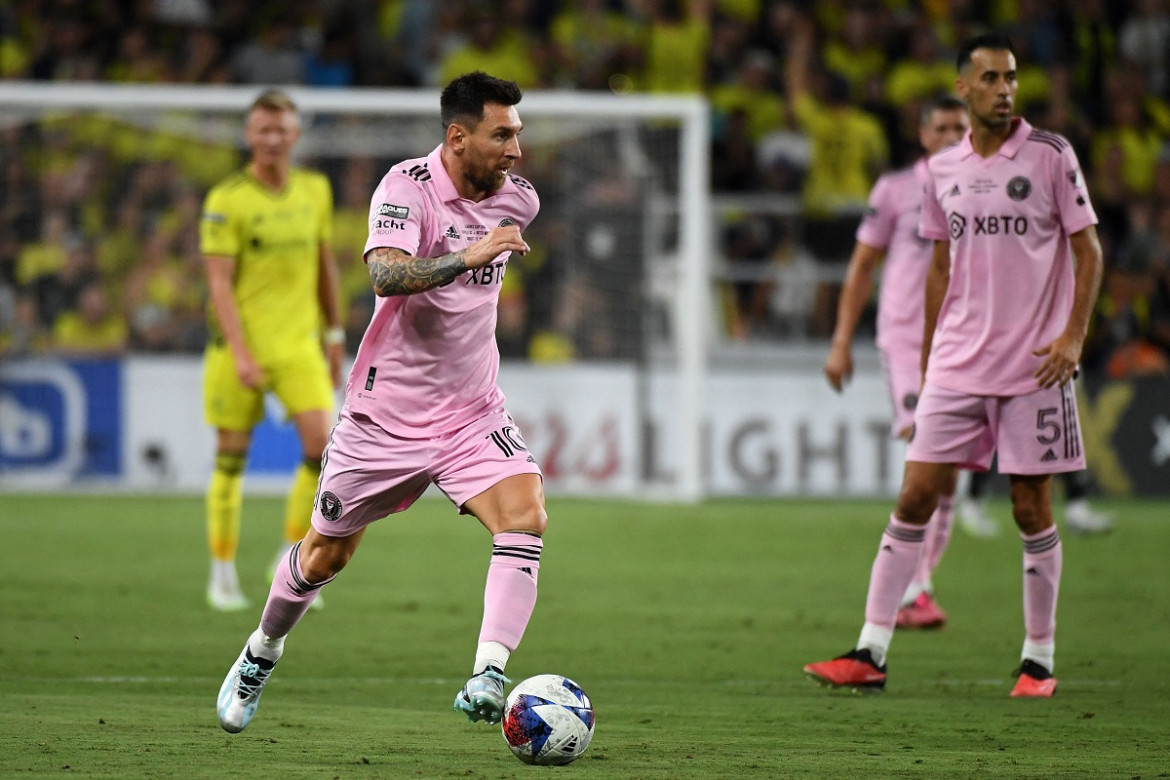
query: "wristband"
334, 336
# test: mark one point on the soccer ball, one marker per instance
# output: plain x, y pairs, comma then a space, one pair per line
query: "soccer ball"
548, 720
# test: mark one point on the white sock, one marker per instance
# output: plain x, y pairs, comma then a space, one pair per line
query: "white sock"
223, 575
490, 654
1043, 653
875, 639
265, 646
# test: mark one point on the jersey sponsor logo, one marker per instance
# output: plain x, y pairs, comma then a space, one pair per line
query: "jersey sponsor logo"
1019, 188
389, 224
1002, 225
957, 224
452, 233
396, 212
330, 506
488, 274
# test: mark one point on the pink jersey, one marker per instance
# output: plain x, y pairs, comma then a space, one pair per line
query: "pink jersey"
428, 362
1008, 219
891, 223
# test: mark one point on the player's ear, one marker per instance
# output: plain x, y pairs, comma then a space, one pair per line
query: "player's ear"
456, 136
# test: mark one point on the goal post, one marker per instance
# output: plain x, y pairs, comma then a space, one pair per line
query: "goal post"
625, 225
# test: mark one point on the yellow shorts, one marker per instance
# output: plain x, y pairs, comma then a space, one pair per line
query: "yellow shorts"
300, 381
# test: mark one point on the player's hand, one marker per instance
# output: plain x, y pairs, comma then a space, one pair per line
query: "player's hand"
1060, 361
249, 371
839, 366
505, 238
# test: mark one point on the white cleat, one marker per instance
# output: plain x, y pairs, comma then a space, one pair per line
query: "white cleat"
482, 698
973, 518
1083, 519
239, 696
227, 599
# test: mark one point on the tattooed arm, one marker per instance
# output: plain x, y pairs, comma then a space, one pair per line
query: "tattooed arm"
395, 272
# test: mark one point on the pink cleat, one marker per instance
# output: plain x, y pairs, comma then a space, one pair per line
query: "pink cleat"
924, 612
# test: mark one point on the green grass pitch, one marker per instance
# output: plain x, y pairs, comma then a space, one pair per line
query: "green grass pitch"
687, 626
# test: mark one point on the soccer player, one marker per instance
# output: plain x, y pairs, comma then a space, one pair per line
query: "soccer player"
889, 231
273, 285
422, 402
1012, 282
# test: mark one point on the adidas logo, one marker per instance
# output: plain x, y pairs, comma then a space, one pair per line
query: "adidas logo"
953, 192
452, 232
1048, 457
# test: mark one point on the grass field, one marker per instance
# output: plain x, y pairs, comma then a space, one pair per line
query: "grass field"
687, 626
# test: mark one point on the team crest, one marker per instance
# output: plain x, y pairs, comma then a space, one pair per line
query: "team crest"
910, 401
330, 506
1019, 188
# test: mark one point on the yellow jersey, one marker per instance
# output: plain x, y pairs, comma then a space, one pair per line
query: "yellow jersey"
275, 239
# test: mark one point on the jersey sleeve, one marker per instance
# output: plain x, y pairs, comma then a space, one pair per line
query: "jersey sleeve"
1070, 193
397, 214
876, 228
932, 225
217, 229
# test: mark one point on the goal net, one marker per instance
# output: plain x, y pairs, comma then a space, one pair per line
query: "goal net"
602, 327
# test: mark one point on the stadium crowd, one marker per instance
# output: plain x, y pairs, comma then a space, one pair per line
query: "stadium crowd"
94, 265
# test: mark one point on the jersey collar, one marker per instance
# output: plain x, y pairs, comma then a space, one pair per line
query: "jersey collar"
446, 188
1020, 132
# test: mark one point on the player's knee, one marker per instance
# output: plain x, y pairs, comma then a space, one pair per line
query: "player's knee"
532, 519
916, 503
322, 561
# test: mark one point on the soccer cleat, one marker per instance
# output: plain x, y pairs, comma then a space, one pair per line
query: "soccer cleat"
855, 670
973, 518
239, 696
482, 698
1033, 681
226, 599
923, 612
1080, 518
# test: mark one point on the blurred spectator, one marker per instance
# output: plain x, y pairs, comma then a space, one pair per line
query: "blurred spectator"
92, 328
1140, 146
856, 54
849, 150
332, 64
23, 333
754, 93
594, 46
502, 55
922, 73
272, 56
1091, 45
1144, 41
674, 43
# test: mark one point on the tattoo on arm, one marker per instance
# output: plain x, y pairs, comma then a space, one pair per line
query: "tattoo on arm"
395, 272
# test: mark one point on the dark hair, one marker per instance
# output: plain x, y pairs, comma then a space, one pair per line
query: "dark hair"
465, 96
941, 103
994, 41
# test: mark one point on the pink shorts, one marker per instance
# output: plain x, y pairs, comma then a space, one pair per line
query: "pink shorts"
903, 380
1038, 433
368, 473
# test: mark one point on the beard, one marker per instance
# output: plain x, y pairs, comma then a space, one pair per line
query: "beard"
485, 179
